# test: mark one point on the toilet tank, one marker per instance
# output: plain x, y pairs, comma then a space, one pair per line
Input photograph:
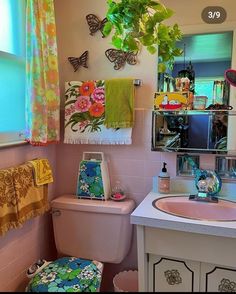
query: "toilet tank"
92, 229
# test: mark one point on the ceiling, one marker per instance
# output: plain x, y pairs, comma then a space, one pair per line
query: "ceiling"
206, 47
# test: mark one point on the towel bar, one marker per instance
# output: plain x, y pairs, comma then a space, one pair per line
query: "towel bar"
138, 82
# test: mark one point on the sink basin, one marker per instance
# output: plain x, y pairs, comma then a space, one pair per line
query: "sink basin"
181, 206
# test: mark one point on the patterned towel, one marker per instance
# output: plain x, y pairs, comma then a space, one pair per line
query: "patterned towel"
20, 198
85, 115
8, 205
42, 171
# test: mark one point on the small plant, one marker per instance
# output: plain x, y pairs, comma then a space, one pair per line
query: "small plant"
136, 23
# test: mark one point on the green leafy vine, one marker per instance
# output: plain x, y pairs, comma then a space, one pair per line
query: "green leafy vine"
137, 23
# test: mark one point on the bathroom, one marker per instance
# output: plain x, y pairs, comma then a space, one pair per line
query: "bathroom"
134, 165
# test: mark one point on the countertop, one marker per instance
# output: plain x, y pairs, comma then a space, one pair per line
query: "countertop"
146, 215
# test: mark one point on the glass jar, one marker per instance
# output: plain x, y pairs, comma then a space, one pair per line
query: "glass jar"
118, 192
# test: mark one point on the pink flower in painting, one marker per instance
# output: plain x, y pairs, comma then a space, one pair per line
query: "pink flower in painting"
67, 112
83, 103
83, 124
99, 95
70, 110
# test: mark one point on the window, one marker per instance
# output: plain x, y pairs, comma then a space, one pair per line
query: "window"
212, 87
12, 70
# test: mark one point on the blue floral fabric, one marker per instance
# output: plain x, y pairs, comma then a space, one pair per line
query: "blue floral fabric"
90, 184
67, 274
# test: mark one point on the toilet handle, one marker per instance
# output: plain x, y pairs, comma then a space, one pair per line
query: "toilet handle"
56, 212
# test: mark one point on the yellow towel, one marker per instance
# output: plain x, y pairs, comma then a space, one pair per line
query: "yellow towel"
42, 171
8, 205
119, 103
32, 200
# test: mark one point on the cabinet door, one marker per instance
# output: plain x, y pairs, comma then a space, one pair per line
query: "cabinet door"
172, 275
217, 278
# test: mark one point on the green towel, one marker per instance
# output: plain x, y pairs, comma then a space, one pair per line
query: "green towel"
119, 103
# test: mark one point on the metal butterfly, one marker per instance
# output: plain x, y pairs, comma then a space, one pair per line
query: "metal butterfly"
120, 57
95, 24
79, 61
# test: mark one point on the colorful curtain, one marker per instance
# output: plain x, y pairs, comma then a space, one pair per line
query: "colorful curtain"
42, 82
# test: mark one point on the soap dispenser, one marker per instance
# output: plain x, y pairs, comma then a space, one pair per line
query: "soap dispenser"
164, 180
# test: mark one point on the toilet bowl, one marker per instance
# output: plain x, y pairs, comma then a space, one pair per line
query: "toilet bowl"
87, 234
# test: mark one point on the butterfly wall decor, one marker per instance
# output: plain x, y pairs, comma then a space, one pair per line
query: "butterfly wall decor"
95, 24
79, 61
120, 58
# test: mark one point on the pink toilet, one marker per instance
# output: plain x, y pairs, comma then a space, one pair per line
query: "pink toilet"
87, 234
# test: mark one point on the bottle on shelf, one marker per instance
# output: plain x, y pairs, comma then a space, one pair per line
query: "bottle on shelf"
164, 180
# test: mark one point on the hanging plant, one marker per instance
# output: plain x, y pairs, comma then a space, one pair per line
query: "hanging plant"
137, 23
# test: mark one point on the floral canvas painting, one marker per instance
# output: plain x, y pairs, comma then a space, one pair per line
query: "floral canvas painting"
85, 106
85, 115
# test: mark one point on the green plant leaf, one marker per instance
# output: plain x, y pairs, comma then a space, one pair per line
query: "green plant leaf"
162, 14
150, 26
117, 42
130, 44
163, 33
152, 49
177, 52
161, 67
147, 40
107, 28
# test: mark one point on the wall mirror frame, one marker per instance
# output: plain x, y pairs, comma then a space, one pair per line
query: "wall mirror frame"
184, 117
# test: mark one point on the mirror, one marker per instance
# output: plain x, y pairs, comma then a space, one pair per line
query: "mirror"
203, 126
205, 59
193, 131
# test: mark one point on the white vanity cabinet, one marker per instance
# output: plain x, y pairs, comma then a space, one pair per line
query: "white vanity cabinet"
167, 274
183, 255
215, 278
176, 261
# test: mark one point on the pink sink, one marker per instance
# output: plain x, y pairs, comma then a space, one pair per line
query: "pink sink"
224, 210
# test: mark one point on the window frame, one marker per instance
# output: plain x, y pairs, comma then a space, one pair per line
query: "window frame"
13, 138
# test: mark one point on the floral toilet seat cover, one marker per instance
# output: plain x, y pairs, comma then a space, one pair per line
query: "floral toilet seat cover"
68, 274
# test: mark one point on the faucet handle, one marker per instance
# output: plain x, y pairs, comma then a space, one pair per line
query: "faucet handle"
202, 186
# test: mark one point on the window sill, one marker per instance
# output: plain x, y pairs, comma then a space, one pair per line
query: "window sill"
12, 144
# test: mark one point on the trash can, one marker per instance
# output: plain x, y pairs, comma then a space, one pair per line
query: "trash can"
126, 281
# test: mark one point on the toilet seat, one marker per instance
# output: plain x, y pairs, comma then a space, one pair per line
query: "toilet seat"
68, 274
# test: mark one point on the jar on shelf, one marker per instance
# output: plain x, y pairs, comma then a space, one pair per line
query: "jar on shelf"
199, 102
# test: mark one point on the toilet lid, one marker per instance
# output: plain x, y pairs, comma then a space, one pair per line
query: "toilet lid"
68, 274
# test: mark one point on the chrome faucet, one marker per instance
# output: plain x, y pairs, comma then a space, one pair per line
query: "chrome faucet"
203, 194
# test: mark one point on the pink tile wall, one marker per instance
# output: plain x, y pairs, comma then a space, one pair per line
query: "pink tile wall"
19, 248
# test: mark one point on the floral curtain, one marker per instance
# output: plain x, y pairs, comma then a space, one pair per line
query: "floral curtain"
42, 78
